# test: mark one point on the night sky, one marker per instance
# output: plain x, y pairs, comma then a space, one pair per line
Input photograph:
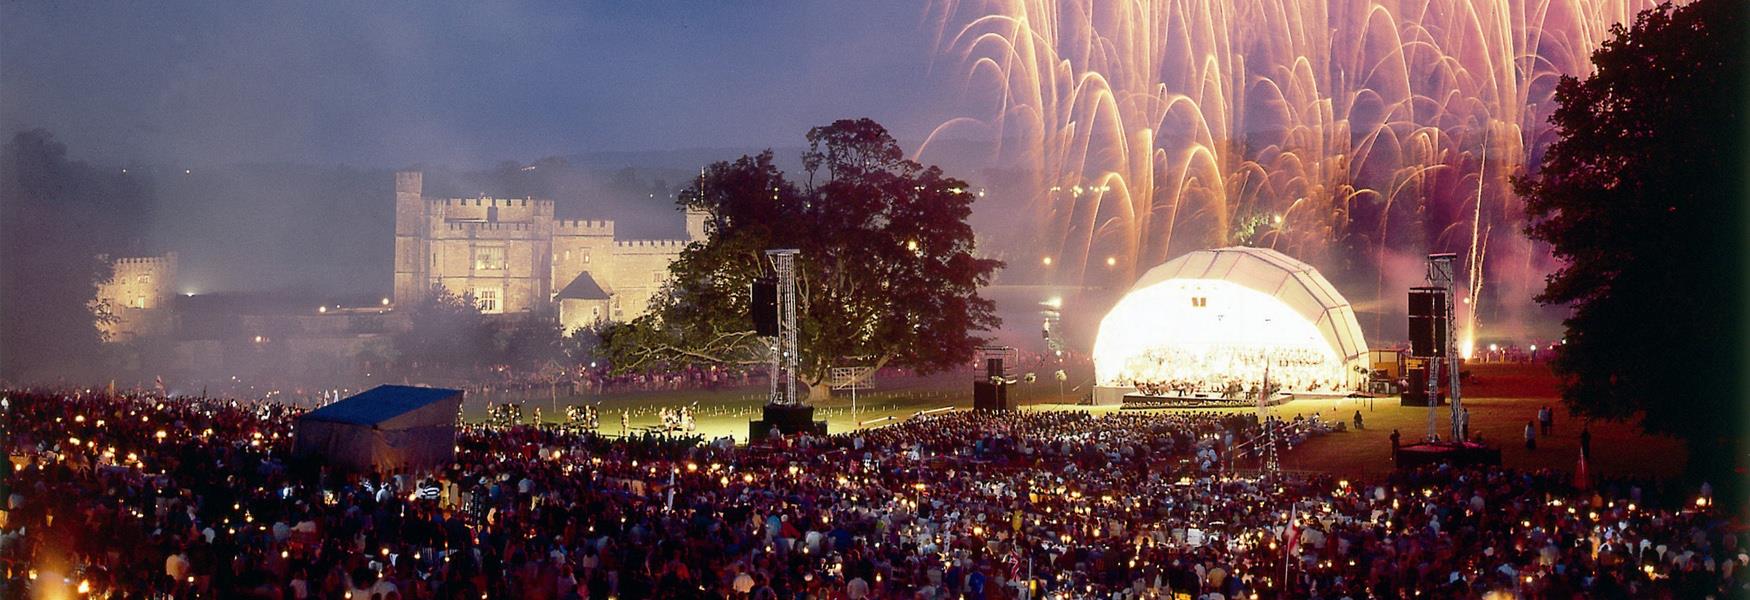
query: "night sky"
385, 84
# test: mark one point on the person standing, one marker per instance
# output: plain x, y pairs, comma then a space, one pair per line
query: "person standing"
1530, 436
1396, 441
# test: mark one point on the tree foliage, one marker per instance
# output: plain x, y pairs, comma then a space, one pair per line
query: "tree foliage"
887, 273
445, 331
57, 216
1642, 200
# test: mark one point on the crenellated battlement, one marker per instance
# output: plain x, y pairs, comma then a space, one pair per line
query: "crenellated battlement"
150, 261
651, 244
163, 261
485, 201
489, 226
588, 227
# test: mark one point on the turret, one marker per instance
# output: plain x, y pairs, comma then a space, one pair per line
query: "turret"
411, 248
697, 220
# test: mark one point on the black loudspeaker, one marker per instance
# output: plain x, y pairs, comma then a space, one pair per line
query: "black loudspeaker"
765, 306
993, 367
1427, 322
990, 396
1416, 388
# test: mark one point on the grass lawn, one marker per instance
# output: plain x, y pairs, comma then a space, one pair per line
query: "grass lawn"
1501, 398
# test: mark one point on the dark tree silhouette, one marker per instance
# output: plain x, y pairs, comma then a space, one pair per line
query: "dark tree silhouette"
887, 274
1642, 198
56, 217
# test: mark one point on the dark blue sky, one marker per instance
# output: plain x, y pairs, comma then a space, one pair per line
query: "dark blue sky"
393, 83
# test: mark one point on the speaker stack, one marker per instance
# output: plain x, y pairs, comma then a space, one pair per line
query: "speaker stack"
991, 393
765, 306
1428, 329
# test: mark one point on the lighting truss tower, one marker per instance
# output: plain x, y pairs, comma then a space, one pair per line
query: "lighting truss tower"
1440, 276
784, 351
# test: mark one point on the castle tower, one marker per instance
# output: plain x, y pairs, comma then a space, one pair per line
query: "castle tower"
411, 244
696, 223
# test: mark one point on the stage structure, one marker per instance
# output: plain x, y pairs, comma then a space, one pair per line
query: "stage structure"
1206, 325
784, 412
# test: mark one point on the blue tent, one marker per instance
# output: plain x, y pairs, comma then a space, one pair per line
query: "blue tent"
385, 428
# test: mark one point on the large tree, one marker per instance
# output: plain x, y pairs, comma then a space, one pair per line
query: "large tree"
1642, 199
887, 275
57, 216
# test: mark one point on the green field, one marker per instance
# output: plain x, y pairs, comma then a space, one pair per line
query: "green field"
1501, 398
727, 412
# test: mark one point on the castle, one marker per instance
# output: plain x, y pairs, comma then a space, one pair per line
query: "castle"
513, 256
137, 296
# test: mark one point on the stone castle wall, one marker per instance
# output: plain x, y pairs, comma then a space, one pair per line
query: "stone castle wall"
138, 296
515, 250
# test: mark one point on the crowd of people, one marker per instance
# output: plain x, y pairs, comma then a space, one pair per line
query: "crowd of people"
144, 496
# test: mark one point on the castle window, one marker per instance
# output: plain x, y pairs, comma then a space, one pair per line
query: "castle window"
143, 279
487, 298
567, 256
586, 258
139, 302
489, 258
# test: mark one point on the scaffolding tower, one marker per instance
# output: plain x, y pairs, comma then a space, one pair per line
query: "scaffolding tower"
1440, 276
783, 388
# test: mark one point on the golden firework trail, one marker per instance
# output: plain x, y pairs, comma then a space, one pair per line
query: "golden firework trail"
1337, 131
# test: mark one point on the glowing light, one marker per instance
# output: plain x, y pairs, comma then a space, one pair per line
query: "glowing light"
1111, 261
385, 302
1189, 328
1199, 116
322, 309
1046, 261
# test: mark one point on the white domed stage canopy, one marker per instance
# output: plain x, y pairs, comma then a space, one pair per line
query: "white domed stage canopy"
1210, 321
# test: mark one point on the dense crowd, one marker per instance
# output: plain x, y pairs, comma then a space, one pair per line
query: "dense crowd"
145, 496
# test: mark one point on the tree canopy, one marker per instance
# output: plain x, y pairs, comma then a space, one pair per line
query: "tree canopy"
1642, 199
57, 216
887, 274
